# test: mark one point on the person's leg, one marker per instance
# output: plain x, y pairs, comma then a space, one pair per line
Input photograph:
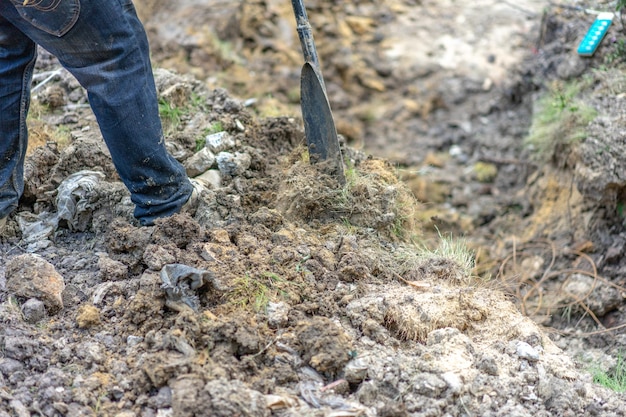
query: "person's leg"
17, 60
106, 49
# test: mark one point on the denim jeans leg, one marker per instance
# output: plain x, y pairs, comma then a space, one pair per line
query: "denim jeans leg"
17, 59
106, 49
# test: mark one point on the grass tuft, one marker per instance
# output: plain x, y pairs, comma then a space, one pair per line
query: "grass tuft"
615, 378
560, 120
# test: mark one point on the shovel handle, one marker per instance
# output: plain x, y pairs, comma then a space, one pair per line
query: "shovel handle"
305, 33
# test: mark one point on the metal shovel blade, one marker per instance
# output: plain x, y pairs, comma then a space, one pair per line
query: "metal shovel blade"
319, 126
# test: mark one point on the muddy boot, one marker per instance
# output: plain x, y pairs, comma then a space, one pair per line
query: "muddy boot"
191, 206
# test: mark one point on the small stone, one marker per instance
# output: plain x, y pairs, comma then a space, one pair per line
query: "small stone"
163, 399
199, 162
525, 351
277, 314
220, 141
53, 96
31, 276
488, 365
33, 310
133, 340
233, 164
156, 256
9, 366
454, 381
212, 177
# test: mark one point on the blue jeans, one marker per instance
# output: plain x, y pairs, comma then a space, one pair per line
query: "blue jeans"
104, 45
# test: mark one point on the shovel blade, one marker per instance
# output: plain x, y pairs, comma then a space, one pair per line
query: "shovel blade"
319, 126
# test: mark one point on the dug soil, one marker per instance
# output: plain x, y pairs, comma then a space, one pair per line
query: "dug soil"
472, 264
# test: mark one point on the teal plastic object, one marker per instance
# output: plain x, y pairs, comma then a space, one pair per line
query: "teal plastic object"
595, 34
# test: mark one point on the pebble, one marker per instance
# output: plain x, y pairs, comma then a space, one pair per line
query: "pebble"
218, 142
277, 314
525, 351
133, 340
233, 164
212, 177
199, 162
33, 310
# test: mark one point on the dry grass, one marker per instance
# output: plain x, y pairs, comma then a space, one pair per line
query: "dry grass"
530, 273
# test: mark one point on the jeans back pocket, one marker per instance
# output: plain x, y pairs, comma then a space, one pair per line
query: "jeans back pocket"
55, 17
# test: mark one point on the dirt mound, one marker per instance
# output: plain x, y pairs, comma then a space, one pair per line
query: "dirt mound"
284, 295
289, 295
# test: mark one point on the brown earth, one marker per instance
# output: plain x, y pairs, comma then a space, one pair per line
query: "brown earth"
470, 266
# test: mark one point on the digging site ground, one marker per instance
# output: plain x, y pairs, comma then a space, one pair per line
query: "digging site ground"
472, 265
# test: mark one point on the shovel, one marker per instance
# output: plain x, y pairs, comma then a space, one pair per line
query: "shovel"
319, 126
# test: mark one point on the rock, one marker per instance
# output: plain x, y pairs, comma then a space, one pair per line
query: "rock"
212, 177
19, 408
9, 366
233, 164
33, 310
156, 256
31, 276
163, 399
454, 381
133, 340
429, 384
525, 351
126, 414
177, 95
488, 365
572, 67
233, 398
199, 162
597, 295
277, 314
217, 398
218, 142
19, 348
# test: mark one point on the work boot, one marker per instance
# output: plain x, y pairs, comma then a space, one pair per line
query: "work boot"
191, 206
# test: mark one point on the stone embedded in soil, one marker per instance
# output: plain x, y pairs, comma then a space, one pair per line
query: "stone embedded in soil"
525, 351
212, 178
31, 276
199, 162
220, 141
595, 294
277, 314
233, 164
33, 310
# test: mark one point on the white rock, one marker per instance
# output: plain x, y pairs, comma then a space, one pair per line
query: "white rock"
526, 351
218, 142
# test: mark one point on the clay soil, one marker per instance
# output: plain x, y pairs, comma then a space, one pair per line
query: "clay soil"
472, 264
